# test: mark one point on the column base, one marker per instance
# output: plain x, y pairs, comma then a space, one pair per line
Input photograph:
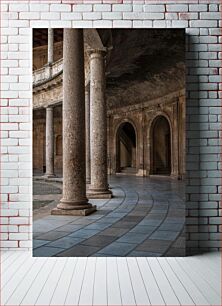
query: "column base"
141, 172
74, 212
49, 176
99, 194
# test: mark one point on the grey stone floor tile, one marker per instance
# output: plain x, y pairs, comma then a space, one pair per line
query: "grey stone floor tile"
144, 229
36, 234
57, 218
52, 235
133, 238
117, 249
176, 213
113, 204
175, 220
117, 215
98, 202
176, 252
82, 233
48, 224
69, 228
155, 216
154, 246
164, 235
102, 255
160, 208
45, 251
107, 219
38, 243
124, 224
143, 254
101, 212
99, 226
137, 214
105, 211
144, 204
180, 242
174, 227
57, 223
82, 221
65, 242
79, 251
114, 231
43, 228
151, 222
124, 210
99, 240
93, 217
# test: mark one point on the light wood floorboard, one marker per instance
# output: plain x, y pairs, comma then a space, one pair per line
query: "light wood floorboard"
101, 281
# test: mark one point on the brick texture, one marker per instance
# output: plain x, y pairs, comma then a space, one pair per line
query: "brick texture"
201, 20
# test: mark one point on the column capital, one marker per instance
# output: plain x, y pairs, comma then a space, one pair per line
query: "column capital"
49, 108
97, 52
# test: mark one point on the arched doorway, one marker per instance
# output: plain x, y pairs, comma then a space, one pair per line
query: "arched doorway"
126, 148
160, 146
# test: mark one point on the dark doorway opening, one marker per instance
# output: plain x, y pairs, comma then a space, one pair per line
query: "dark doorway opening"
161, 147
126, 149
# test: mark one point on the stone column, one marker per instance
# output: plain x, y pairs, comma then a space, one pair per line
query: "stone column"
98, 127
174, 141
74, 201
49, 143
50, 45
182, 136
87, 119
117, 161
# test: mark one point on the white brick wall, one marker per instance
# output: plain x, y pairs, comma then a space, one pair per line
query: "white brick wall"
201, 18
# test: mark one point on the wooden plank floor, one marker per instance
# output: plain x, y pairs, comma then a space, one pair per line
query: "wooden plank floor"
110, 281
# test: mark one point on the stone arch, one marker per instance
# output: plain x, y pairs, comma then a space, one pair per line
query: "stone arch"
126, 147
161, 145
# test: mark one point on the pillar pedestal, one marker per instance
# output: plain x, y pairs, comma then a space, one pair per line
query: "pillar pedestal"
98, 127
74, 201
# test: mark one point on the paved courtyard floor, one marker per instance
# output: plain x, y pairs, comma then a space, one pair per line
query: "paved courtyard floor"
145, 217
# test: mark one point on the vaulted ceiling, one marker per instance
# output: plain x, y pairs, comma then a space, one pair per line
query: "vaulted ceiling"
140, 63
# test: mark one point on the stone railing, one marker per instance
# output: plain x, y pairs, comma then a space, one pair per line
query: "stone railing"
47, 84
47, 72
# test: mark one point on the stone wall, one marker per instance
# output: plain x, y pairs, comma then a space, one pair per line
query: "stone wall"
40, 55
142, 116
39, 140
201, 20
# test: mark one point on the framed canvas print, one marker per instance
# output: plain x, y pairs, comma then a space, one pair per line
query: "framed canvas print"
109, 110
